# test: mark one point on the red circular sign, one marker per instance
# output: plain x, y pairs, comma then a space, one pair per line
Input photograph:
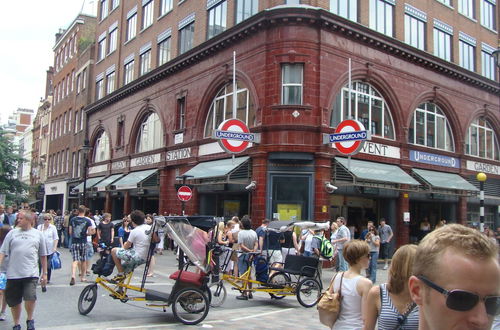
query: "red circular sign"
184, 193
234, 125
349, 147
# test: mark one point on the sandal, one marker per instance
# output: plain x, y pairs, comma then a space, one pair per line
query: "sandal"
72, 282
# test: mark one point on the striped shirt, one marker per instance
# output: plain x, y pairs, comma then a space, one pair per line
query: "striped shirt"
389, 316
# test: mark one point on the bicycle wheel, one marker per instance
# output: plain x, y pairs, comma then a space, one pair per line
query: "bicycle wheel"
87, 299
279, 279
308, 292
218, 292
190, 306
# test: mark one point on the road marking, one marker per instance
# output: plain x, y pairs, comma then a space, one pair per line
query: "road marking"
261, 314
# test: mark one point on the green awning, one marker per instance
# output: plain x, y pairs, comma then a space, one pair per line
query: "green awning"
215, 168
131, 180
89, 184
101, 186
370, 171
444, 180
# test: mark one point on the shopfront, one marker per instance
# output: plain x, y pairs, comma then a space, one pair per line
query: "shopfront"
55, 196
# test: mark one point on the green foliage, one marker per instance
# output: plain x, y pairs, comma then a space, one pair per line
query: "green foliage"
9, 161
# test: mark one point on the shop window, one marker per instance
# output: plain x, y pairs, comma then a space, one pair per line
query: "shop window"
222, 108
430, 128
150, 134
367, 106
101, 148
481, 140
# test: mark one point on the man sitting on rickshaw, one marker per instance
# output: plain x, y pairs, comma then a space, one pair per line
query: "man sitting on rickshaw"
135, 249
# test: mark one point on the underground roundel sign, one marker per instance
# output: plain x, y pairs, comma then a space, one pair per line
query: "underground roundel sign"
233, 135
349, 137
184, 193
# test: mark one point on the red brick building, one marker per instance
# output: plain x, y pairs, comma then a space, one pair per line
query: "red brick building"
433, 110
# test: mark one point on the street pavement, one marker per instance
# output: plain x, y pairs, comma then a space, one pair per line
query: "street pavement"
57, 308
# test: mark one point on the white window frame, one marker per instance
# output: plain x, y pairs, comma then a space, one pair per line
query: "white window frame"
113, 40
486, 130
131, 27
150, 135
442, 43
446, 129
104, 9
99, 89
110, 82
487, 14
345, 8
186, 38
246, 9
415, 31
145, 62
466, 8
382, 16
467, 55
165, 6
128, 72
101, 148
147, 14
287, 85
217, 19
164, 50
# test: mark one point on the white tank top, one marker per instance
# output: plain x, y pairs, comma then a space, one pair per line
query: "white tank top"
350, 314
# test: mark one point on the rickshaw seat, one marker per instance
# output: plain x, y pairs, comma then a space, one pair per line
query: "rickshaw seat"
188, 277
299, 265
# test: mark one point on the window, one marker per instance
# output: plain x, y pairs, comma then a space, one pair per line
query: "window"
72, 79
101, 148
145, 62
78, 83
292, 2
181, 113
150, 135
487, 65
104, 9
84, 78
367, 106
481, 140
99, 89
246, 9
128, 72
110, 82
429, 127
120, 132
345, 8
65, 123
222, 108
466, 7
74, 165
82, 119
186, 35
147, 14
101, 48
131, 26
68, 84
291, 83
381, 16
164, 51
414, 32
467, 57
63, 91
442, 42
165, 6
488, 14
114, 4
75, 125
70, 120
217, 16
113, 37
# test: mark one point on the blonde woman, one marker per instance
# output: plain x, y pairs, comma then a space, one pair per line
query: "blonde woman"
389, 306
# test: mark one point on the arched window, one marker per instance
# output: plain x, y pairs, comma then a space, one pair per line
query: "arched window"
481, 140
429, 127
150, 135
367, 106
222, 108
101, 149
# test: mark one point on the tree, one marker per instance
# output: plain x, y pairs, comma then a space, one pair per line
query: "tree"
9, 162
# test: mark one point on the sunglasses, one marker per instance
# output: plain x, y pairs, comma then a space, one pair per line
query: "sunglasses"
460, 300
46, 219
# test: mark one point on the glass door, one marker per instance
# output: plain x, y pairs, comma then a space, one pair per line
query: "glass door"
290, 196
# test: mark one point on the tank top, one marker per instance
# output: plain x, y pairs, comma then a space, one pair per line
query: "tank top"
388, 317
350, 311
288, 244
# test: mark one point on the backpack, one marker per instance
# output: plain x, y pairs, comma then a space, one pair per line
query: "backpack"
325, 247
104, 266
261, 269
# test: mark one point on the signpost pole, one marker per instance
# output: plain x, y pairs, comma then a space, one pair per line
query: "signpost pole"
234, 84
350, 89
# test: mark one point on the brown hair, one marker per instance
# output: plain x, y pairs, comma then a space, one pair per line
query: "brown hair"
355, 250
467, 241
401, 268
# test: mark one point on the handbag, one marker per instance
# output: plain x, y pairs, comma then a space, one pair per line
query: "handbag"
329, 304
55, 262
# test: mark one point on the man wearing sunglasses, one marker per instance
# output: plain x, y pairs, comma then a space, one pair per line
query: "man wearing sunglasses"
456, 280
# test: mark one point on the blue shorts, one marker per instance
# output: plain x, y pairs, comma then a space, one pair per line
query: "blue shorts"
3, 280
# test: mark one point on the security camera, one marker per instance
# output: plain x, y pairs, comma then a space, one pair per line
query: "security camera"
251, 186
330, 188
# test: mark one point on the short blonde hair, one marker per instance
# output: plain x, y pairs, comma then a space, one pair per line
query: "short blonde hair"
401, 268
467, 241
355, 250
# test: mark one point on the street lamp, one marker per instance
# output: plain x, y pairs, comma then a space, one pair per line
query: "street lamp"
481, 177
85, 149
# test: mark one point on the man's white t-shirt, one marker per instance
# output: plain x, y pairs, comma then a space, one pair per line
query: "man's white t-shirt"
89, 238
141, 240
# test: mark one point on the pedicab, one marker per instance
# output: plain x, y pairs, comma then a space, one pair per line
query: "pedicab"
188, 298
298, 276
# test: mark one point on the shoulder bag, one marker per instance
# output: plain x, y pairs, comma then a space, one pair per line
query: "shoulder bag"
329, 304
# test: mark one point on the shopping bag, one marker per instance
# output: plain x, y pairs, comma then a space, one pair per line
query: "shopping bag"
55, 262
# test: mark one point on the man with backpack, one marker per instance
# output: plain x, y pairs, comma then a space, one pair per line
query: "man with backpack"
79, 228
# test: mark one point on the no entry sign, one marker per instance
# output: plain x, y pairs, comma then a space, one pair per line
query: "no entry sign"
234, 135
184, 193
349, 137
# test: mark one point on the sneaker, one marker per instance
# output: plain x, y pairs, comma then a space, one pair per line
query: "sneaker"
30, 324
242, 297
3, 316
118, 278
386, 266
16, 327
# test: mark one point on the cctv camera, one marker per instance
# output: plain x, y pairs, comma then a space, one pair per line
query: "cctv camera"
251, 186
329, 187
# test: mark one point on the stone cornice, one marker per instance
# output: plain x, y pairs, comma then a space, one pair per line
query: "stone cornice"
297, 16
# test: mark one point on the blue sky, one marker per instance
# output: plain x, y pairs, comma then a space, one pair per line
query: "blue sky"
27, 35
